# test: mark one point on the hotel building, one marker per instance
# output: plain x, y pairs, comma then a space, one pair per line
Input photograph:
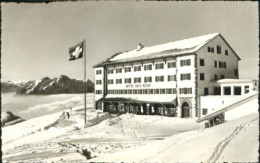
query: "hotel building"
167, 79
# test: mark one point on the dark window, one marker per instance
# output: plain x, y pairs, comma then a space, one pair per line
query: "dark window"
150, 91
159, 66
185, 77
204, 111
216, 77
137, 80
218, 49
208, 49
98, 82
171, 64
162, 91
127, 69
110, 71
144, 91
159, 78
185, 62
137, 68
130, 91
127, 80
217, 91
118, 70
201, 62
135, 91
236, 72
171, 77
222, 76
226, 52
202, 77
118, 81
216, 64
220, 64
147, 79
98, 91
185, 90
227, 90
110, 81
246, 89
224, 65
211, 49
237, 90
206, 91
98, 72
140, 91
147, 67
156, 91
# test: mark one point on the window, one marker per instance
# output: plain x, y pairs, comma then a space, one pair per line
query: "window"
156, 91
204, 111
159, 66
140, 91
185, 76
127, 69
185, 62
137, 68
118, 81
147, 67
216, 64
237, 90
147, 79
236, 72
98, 91
159, 78
98, 72
226, 52
137, 80
206, 91
170, 91
201, 62
171, 64
162, 91
118, 70
185, 90
224, 65
171, 77
135, 91
220, 64
110, 71
202, 76
216, 77
144, 91
227, 90
150, 91
211, 49
218, 49
222, 76
246, 88
110, 81
217, 91
98, 82
129, 91
127, 80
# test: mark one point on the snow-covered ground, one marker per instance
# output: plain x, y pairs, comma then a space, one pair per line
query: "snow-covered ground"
128, 138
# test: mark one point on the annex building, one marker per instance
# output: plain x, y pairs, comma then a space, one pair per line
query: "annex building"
167, 79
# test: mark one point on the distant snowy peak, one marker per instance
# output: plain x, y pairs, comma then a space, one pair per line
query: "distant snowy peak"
61, 84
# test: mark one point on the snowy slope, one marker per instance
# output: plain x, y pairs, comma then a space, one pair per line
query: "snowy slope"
219, 143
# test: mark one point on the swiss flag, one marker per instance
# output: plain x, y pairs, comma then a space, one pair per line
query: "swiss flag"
76, 51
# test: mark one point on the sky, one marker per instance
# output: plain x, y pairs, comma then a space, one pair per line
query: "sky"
36, 37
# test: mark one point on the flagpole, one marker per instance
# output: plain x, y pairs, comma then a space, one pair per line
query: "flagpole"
85, 109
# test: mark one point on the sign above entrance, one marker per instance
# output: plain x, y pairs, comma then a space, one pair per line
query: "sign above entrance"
138, 85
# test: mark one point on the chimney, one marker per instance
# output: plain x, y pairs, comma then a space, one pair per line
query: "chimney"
139, 47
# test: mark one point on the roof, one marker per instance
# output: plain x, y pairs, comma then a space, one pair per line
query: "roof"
230, 81
187, 46
167, 98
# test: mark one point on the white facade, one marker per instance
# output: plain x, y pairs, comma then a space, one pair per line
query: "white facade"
142, 79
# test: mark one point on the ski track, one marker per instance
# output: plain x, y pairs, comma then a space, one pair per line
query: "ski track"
222, 145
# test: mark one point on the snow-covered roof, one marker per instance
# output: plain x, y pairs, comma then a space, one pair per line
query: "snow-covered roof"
186, 46
167, 98
231, 81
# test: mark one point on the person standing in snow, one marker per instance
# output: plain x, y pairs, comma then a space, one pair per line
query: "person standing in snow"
68, 114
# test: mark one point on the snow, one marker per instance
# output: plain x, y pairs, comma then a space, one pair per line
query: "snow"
131, 138
181, 47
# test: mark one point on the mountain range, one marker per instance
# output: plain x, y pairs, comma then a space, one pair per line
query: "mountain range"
59, 85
